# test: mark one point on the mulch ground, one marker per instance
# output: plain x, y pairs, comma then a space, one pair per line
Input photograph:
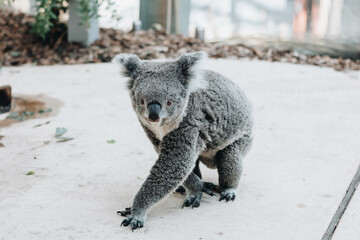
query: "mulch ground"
18, 47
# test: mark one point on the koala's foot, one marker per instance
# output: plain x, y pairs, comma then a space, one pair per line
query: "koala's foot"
180, 190
126, 212
194, 199
228, 194
133, 222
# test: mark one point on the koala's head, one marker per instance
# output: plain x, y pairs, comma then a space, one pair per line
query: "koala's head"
160, 90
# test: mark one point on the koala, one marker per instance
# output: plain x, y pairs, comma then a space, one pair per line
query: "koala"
190, 115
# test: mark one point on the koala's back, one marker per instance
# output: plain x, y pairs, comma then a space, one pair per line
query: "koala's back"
221, 111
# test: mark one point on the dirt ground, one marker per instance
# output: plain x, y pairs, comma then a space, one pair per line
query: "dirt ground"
18, 47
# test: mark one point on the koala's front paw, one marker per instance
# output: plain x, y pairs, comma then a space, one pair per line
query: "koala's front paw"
228, 194
133, 222
126, 212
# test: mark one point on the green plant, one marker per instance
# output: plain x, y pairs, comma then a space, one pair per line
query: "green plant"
48, 11
47, 15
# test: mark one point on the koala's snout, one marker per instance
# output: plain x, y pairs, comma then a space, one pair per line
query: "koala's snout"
154, 111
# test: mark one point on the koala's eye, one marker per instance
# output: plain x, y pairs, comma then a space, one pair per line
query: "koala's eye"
142, 102
169, 103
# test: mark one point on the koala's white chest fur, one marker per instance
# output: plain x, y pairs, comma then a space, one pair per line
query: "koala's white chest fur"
160, 131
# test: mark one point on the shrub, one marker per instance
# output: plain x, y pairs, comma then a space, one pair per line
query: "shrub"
48, 11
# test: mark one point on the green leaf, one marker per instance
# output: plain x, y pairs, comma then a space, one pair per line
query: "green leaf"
27, 114
12, 115
64, 139
52, 15
39, 125
60, 131
112, 141
30, 173
20, 118
47, 110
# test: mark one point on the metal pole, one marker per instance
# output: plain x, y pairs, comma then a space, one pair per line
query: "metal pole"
168, 16
136, 26
199, 33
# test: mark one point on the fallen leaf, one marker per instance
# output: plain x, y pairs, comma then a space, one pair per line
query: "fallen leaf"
45, 111
45, 143
39, 125
27, 114
64, 139
2, 145
60, 132
20, 118
30, 173
12, 115
112, 141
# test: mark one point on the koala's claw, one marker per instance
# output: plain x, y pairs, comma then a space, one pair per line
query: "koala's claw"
192, 200
127, 211
133, 222
228, 194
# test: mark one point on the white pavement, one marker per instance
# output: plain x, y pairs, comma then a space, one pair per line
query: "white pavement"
305, 154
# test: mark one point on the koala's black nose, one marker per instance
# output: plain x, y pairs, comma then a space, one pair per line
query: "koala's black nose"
154, 110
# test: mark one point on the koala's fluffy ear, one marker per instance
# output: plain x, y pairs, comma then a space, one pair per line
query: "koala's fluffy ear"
129, 65
190, 64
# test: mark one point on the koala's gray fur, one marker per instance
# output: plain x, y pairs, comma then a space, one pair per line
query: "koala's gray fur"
209, 120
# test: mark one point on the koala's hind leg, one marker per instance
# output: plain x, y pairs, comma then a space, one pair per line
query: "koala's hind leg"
229, 165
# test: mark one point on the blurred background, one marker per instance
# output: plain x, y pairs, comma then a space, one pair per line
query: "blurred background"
308, 27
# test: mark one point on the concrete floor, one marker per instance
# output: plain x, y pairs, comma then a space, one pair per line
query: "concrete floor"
305, 154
